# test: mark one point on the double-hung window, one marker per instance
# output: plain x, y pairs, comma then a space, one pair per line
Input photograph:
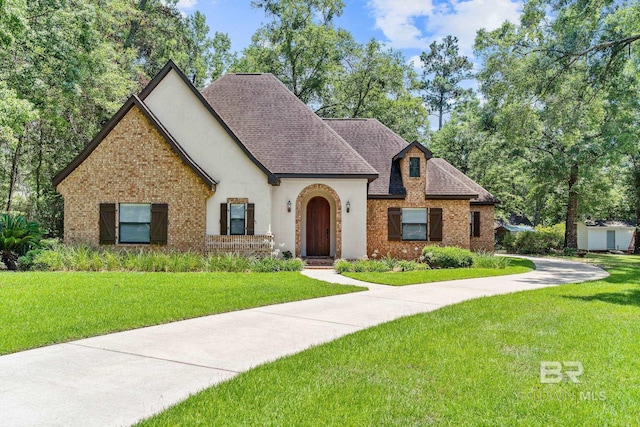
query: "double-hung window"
135, 223
414, 224
237, 216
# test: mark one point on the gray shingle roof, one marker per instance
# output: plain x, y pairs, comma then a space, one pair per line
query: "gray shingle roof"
280, 130
377, 144
483, 196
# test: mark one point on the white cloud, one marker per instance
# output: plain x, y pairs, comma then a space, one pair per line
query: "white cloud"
186, 4
416, 23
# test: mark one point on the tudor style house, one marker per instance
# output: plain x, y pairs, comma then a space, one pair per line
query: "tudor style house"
246, 166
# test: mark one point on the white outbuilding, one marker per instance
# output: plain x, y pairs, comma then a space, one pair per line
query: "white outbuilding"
605, 235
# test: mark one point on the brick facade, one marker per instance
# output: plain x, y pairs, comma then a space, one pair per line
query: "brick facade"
134, 164
455, 218
486, 240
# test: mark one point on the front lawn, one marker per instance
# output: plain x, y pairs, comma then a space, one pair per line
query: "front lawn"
474, 363
517, 265
46, 308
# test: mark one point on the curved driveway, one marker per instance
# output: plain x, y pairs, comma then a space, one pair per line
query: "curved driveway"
118, 379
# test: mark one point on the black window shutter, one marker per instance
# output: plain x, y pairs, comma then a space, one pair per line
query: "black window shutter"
394, 224
250, 218
107, 223
223, 219
435, 224
476, 224
159, 223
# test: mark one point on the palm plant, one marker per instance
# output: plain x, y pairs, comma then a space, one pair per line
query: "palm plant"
17, 236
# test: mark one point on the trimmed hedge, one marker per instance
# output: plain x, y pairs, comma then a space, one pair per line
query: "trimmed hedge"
447, 257
381, 266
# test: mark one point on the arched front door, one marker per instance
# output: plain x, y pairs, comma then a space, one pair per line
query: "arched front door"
318, 227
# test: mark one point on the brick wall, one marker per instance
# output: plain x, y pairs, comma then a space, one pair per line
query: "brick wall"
486, 240
455, 218
455, 226
134, 164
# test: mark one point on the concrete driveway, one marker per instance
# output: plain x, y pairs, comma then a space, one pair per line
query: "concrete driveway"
120, 378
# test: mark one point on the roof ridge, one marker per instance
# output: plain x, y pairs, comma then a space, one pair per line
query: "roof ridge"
363, 119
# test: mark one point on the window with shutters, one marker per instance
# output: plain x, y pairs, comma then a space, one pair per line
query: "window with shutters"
414, 224
135, 223
138, 223
237, 219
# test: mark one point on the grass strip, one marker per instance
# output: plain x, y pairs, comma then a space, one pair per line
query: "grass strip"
44, 308
474, 363
517, 265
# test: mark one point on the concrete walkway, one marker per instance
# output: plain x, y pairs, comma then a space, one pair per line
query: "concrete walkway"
120, 378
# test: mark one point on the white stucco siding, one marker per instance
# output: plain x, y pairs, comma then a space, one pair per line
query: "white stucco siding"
211, 147
354, 223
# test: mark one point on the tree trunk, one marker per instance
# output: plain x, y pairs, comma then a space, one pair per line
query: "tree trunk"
636, 182
571, 224
14, 173
9, 259
440, 110
135, 26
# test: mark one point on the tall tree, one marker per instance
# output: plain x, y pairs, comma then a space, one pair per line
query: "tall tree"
65, 68
300, 45
374, 81
555, 116
443, 69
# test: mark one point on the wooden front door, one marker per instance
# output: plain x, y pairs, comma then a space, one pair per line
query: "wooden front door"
318, 227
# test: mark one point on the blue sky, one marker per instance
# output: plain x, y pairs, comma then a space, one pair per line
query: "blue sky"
408, 25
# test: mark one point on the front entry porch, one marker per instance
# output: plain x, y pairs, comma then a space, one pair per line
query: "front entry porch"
318, 223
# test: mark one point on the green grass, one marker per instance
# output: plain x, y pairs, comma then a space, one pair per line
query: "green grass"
45, 308
474, 363
518, 265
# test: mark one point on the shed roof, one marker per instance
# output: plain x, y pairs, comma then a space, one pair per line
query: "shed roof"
609, 223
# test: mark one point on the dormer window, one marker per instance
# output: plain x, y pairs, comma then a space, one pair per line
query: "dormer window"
414, 167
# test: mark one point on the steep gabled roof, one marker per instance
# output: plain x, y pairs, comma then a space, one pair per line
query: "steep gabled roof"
171, 66
415, 144
133, 101
382, 148
281, 131
377, 144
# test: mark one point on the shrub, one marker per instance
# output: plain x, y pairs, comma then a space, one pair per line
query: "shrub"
269, 265
84, 258
232, 263
447, 257
488, 260
17, 237
379, 266
542, 241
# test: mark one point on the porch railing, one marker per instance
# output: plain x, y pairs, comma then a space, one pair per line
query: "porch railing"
259, 245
